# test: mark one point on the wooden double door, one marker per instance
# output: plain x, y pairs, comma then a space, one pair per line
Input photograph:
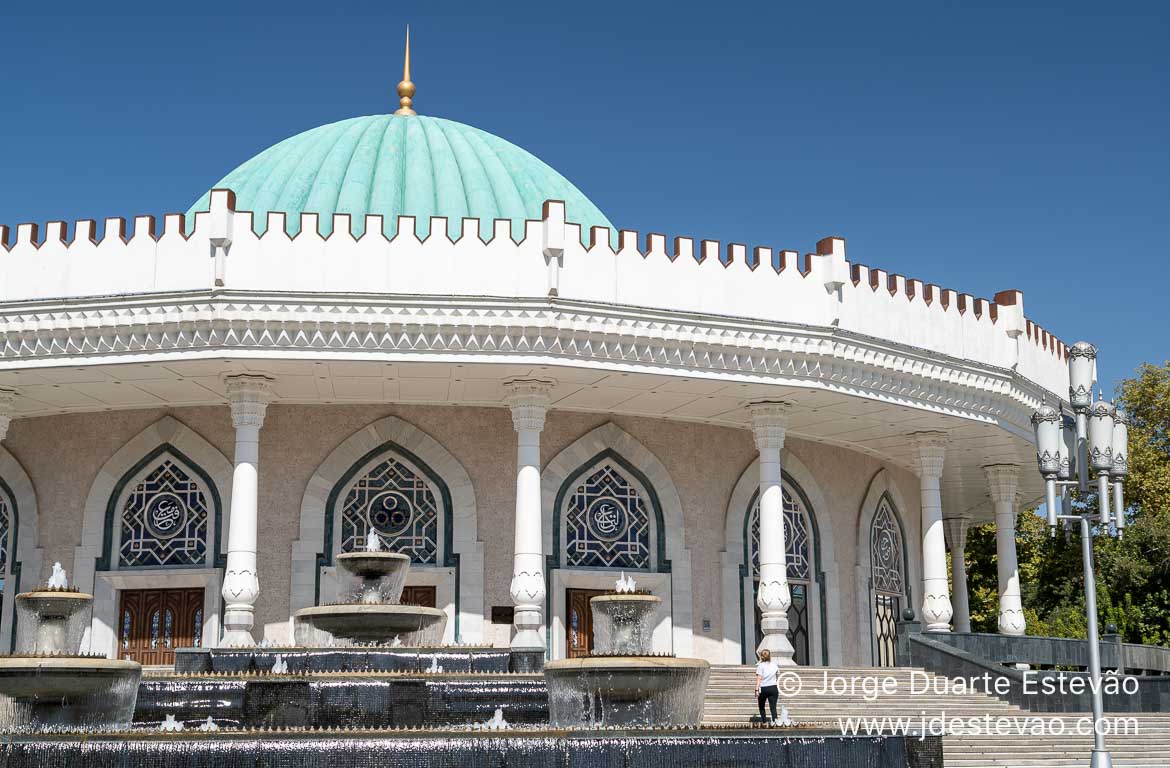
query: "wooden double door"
152, 623
579, 621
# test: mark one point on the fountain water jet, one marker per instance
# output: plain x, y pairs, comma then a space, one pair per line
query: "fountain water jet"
622, 683
374, 614
49, 684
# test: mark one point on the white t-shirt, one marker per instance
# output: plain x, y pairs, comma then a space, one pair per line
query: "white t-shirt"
767, 672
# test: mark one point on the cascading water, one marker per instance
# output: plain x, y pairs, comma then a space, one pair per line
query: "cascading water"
372, 613
622, 683
48, 684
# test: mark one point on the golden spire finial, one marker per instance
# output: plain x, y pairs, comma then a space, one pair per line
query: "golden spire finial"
406, 88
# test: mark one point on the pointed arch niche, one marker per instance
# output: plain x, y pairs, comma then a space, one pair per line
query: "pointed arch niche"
822, 582
451, 557
167, 447
609, 461
21, 567
883, 496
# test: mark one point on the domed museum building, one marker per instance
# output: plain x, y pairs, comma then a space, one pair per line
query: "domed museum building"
402, 325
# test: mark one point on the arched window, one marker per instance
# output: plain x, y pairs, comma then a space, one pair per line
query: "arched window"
888, 579
607, 522
5, 545
164, 520
800, 572
399, 504
5, 534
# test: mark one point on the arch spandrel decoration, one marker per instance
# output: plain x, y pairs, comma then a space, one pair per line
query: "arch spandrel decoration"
887, 579
456, 568
165, 519
163, 512
607, 522
739, 560
22, 554
5, 533
796, 537
886, 551
175, 484
669, 572
398, 503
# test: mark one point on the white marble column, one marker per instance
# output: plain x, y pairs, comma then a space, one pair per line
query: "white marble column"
7, 405
528, 399
769, 423
956, 535
931, 448
248, 395
1002, 483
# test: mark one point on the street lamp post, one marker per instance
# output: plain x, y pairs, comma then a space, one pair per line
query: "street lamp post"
1065, 460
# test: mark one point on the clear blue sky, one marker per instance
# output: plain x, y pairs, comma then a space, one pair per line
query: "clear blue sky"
978, 145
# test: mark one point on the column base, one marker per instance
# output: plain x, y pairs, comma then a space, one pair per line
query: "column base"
527, 640
1011, 622
237, 638
938, 628
527, 620
780, 649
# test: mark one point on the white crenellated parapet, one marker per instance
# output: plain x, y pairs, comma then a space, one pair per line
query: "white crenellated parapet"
226, 249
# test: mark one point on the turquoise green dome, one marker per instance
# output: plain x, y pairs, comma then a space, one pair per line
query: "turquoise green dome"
396, 165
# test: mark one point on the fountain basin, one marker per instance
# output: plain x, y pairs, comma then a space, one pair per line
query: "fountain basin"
624, 623
624, 691
67, 692
382, 574
53, 609
374, 623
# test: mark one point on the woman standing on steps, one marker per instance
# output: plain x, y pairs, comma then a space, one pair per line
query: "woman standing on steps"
766, 689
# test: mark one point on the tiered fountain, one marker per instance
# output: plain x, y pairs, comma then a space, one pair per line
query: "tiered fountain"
48, 684
622, 683
374, 614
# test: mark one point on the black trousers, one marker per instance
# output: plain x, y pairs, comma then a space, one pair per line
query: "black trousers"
770, 694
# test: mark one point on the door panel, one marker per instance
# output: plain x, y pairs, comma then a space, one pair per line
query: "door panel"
154, 622
419, 595
579, 621
885, 629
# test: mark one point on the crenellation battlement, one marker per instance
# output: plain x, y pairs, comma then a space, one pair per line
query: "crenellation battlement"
464, 258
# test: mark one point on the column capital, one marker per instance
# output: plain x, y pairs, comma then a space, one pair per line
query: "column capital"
7, 406
769, 422
249, 395
931, 448
955, 529
1002, 482
528, 399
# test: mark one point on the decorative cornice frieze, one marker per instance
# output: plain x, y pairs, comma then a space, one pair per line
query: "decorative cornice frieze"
828, 358
528, 399
249, 395
769, 423
931, 452
1003, 482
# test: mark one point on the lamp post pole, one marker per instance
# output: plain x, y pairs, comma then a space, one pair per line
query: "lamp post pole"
1067, 460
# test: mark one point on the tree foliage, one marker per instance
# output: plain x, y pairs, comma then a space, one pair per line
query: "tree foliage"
1133, 573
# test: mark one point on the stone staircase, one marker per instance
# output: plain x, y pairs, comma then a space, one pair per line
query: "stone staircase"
730, 700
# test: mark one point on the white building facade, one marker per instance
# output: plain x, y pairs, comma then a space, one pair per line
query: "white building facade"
781, 446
